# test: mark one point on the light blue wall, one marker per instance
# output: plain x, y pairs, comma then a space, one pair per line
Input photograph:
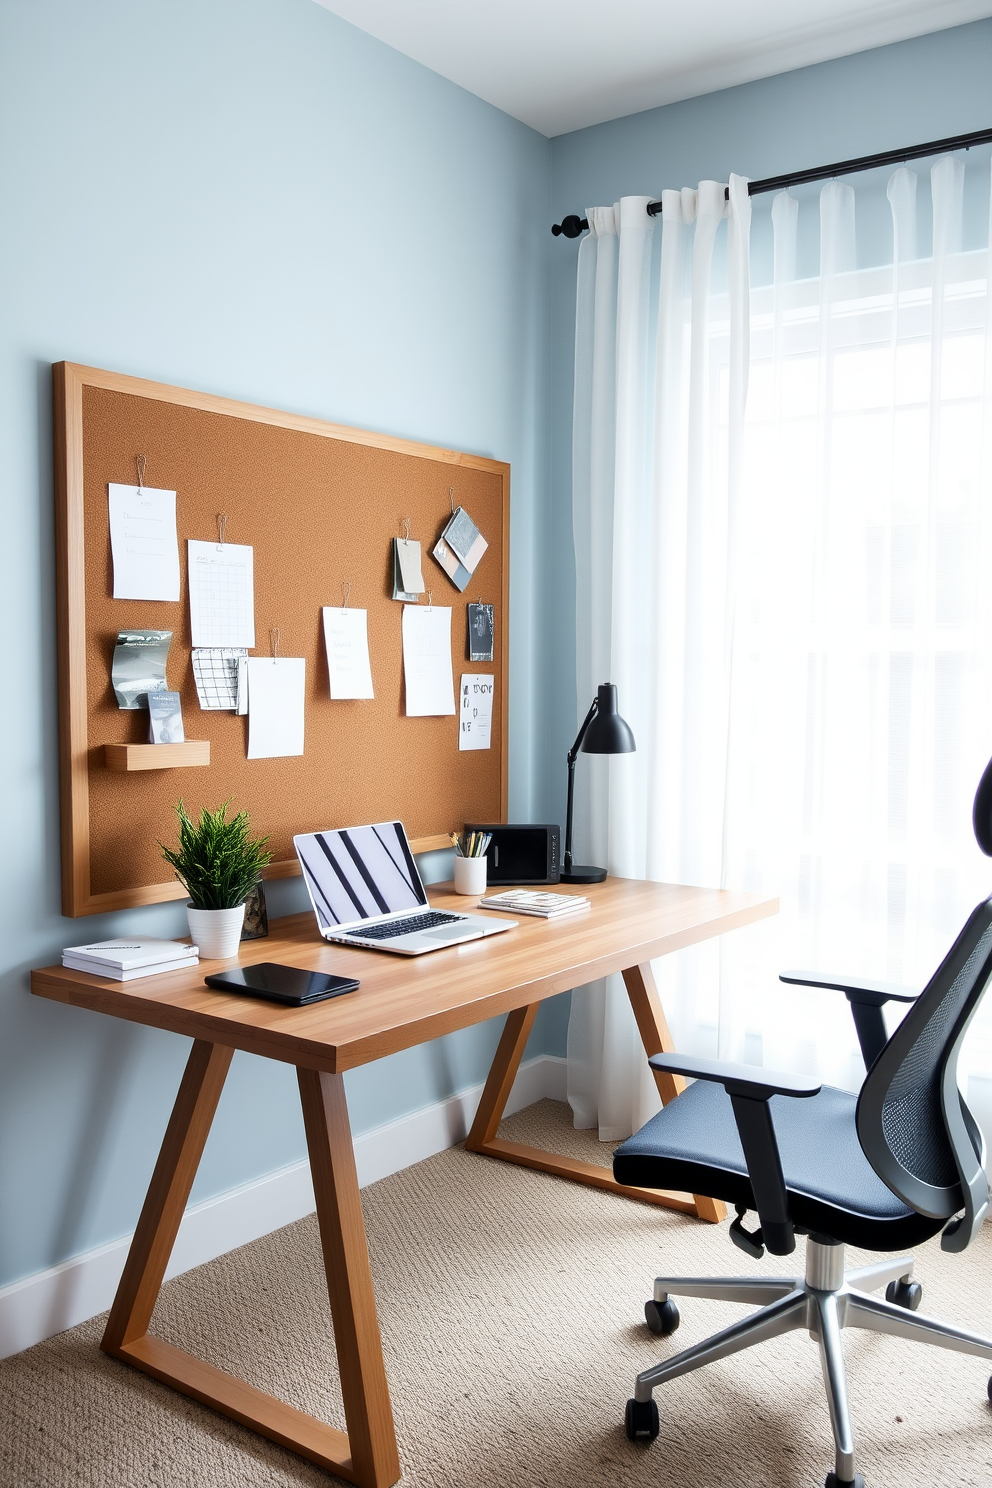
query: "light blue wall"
910, 93
252, 198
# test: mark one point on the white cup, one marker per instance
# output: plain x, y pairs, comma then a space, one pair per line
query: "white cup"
470, 875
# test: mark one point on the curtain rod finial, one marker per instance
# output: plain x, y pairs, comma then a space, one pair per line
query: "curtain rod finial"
571, 227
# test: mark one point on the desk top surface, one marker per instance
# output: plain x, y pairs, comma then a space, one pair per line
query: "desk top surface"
406, 1000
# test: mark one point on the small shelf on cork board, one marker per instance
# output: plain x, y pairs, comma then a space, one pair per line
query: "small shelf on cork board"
127, 757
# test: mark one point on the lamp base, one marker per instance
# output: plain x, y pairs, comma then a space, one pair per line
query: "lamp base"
578, 874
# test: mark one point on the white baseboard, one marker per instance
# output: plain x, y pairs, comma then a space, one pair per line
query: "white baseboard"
62, 1296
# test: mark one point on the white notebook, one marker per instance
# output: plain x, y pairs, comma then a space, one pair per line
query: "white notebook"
116, 974
533, 902
128, 952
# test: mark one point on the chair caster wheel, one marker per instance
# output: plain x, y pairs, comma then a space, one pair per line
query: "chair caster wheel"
908, 1294
641, 1420
990, 1388
661, 1317
833, 1481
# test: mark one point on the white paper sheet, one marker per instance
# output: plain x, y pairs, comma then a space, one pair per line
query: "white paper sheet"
242, 708
475, 711
347, 642
221, 594
430, 687
143, 542
276, 692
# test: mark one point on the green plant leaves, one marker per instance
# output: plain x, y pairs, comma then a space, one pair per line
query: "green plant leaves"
217, 861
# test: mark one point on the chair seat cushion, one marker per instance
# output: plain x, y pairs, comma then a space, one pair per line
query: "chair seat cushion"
693, 1146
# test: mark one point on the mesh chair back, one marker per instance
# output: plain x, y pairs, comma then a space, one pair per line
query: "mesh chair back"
914, 1127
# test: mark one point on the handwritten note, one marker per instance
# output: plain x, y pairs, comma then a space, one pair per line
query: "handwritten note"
475, 713
347, 642
427, 673
143, 542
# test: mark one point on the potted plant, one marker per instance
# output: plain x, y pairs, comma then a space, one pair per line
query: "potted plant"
219, 863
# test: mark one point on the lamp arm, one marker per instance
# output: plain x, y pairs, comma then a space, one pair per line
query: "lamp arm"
573, 752
572, 756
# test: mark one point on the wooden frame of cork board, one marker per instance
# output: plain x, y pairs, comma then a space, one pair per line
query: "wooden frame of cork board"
320, 504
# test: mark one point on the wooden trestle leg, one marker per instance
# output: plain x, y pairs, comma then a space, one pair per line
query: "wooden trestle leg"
656, 1038
367, 1454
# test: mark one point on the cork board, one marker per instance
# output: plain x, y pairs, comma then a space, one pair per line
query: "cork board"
320, 505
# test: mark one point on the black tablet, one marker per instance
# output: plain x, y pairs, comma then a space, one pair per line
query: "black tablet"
289, 984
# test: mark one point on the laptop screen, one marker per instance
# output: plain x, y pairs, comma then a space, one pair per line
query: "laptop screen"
359, 873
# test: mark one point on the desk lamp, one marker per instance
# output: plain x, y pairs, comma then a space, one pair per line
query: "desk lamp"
603, 732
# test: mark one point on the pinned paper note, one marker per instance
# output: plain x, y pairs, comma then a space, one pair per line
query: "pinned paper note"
427, 661
216, 673
408, 596
475, 712
221, 594
408, 555
460, 548
481, 628
347, 643
143, 542
276, 693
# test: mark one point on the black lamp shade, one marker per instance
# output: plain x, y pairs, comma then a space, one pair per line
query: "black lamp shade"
608, 733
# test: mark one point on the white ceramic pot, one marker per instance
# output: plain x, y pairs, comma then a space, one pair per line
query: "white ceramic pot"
470, 875
216, 931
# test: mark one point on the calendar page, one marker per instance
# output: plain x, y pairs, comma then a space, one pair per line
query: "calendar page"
221, 594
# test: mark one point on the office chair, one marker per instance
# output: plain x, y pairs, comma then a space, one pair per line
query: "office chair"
883, 1170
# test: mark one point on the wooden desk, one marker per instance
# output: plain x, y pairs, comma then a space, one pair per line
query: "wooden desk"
402, 1001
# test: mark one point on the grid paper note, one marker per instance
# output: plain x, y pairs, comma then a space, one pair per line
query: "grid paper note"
215, 670
221, 594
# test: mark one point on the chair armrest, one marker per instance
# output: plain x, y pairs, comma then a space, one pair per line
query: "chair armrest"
867, 1000
752, 1080
750, 1089
874, 994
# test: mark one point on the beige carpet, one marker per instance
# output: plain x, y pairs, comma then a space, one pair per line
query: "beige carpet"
510, 1304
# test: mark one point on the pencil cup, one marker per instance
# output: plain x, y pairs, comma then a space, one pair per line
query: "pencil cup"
470, 875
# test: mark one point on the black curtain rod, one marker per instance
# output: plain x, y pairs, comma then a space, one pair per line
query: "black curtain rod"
573, 227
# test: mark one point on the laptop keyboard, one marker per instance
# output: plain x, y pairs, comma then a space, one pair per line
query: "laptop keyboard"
425, 921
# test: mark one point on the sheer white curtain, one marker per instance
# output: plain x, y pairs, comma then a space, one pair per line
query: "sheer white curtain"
795, 607
862, 685
660, 380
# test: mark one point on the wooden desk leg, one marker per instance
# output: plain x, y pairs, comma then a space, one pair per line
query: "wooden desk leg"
126, 1335
502, 1074
482, 1138
657, 1039
168, 1192
368, 1413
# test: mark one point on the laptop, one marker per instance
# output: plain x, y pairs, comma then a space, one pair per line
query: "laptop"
366, 891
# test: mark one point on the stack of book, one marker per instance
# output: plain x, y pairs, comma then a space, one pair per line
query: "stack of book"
129, 957
532, 902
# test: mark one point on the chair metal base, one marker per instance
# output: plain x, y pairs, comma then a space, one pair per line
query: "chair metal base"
824, 1302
